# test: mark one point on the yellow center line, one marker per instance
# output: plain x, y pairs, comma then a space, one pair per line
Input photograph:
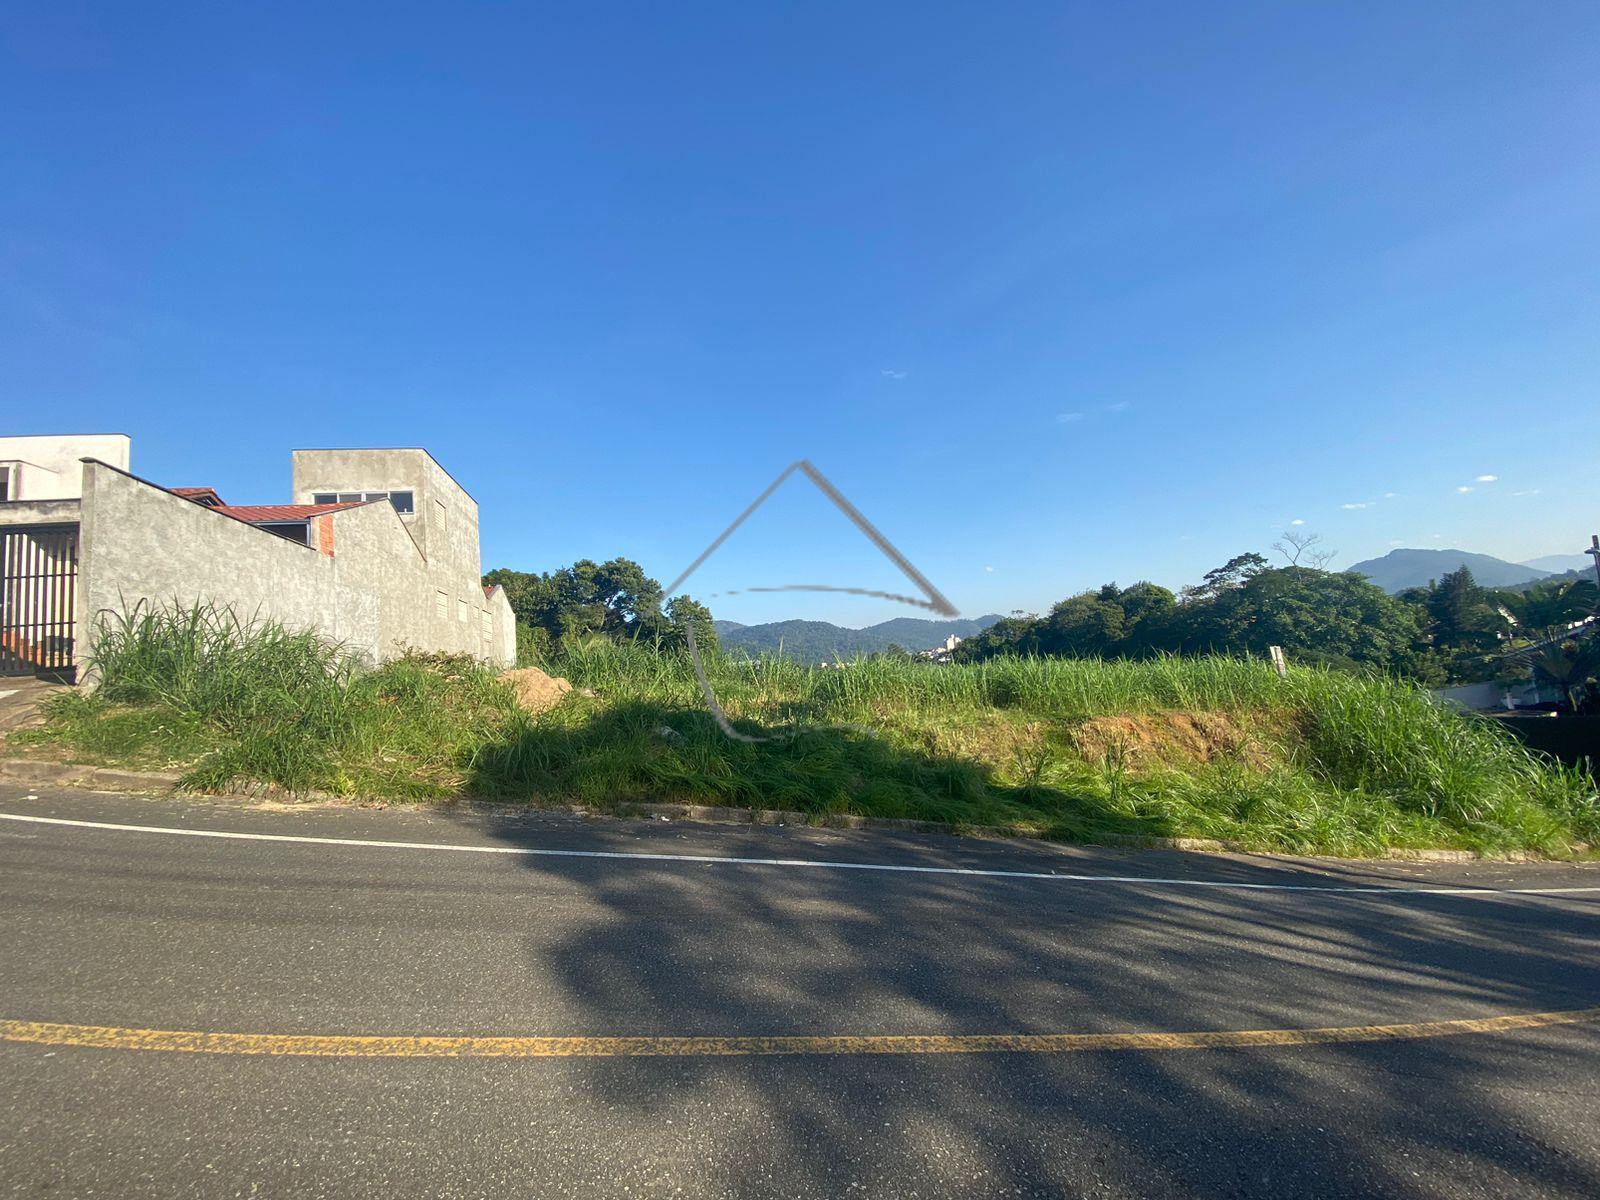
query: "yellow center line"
107, 1037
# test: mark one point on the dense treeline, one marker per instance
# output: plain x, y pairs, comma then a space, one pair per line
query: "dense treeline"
613, 599
1450, 631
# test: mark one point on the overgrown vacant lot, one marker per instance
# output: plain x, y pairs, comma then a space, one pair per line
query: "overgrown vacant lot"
1072, 749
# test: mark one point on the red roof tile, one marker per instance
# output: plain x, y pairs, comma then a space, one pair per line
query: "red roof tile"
256, 513
200, 495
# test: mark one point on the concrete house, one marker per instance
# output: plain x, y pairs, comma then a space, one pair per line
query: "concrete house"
378, 550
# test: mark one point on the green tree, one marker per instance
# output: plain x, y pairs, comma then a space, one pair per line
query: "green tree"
1461, 614
1110, 623
1545, 609
1017, 634
666, 628
614, 599
1236, 572
1462, 625
1243, 606
1317, 616
893, 652
1089, 625
1569, 667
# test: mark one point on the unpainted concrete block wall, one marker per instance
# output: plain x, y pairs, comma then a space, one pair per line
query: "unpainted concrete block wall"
138, 543
457, 615
376, 593
38, 512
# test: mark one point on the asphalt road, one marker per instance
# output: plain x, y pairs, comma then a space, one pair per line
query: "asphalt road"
147, 930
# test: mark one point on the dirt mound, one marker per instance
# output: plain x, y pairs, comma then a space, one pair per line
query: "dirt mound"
1149, 739
535, 690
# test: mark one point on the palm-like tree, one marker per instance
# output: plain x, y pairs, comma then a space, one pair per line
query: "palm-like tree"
1546, 609
1568, 666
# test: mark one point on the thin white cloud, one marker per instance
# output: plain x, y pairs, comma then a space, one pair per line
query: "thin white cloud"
1072, 418
990, 570
1390, 495
1464, 489
1488, 478
894, 374
1353, 507
1527, 492
1297, 521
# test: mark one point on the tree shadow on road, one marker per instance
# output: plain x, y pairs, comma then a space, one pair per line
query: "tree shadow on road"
675, 949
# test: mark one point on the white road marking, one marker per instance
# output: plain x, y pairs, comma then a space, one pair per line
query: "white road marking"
819, 864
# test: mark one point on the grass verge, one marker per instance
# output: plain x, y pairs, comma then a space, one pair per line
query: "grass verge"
1212, 747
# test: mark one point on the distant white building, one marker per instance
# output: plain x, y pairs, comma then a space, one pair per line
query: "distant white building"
50, 467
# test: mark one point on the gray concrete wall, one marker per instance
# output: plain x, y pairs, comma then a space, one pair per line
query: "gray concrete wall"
503, 634
459, 617
374, 553
139, 543
445, 523
366, 584
39, 512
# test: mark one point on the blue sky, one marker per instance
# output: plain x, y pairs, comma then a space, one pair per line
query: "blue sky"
1055, 293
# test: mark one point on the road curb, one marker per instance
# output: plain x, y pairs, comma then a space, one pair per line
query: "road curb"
27, 770
37, 771
111, 779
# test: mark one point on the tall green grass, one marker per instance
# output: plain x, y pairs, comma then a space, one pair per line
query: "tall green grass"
239, 700
1360, 763
1326, 762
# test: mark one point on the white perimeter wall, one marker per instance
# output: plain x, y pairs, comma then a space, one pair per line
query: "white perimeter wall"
47, 467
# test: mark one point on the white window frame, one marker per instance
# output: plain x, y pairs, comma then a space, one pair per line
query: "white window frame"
365, 497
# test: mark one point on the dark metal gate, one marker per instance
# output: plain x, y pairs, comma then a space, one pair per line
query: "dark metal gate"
38, 582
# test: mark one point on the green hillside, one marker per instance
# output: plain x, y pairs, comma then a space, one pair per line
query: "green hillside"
821, 641
1402, 569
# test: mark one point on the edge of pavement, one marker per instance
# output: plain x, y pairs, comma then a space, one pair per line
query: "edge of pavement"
117, 779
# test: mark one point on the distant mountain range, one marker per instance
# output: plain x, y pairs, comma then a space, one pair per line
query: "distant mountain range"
1402, 569
821, 641
1559, 564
